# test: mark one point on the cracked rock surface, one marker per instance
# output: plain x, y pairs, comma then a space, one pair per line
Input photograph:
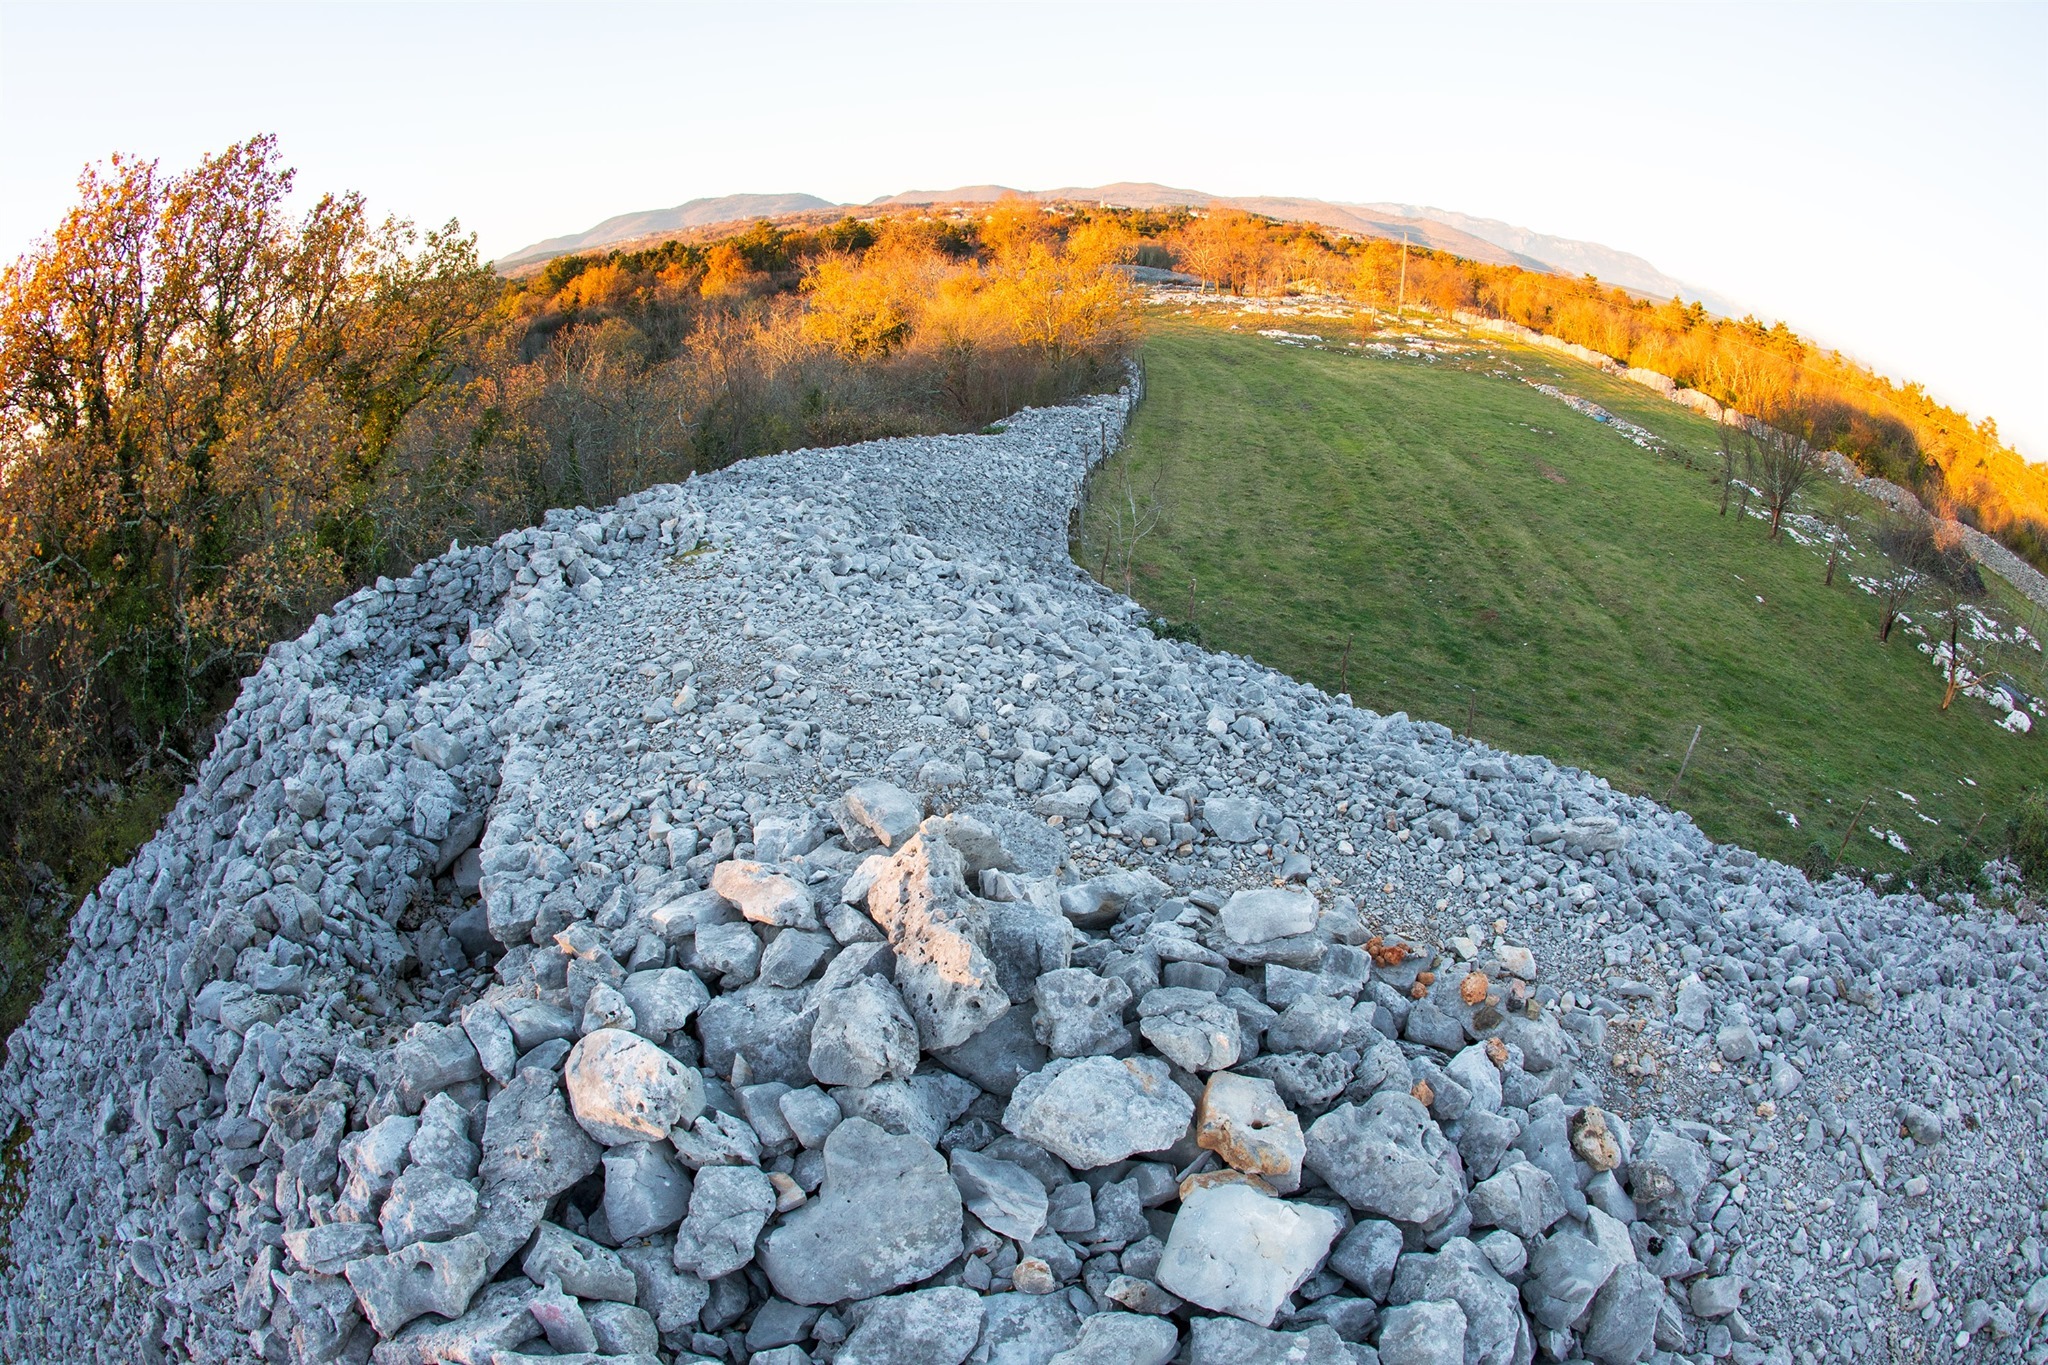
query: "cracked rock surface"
797, 916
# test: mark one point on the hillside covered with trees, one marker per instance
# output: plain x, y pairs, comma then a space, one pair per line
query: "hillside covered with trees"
218, 415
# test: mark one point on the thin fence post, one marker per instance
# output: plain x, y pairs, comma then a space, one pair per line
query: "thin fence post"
1853, 820
1684, 764
1344, 670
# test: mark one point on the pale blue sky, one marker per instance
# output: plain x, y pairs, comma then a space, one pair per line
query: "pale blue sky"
1811, 160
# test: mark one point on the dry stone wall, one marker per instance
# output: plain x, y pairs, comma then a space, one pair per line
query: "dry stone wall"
797, 916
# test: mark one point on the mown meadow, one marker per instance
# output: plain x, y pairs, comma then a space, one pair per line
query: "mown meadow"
1499, 562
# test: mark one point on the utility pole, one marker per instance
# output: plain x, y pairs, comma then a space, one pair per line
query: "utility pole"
1401, 309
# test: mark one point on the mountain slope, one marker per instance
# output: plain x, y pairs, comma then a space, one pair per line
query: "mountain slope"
1363, 220
1564, 254
1479, 239
695, 213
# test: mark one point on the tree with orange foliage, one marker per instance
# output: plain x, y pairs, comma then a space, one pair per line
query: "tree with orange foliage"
1064, 304
1230, 250
197, 391
1013, 228
866, 306
727, 274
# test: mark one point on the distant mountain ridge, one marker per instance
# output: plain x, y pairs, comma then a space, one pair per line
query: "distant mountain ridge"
1569, 255
1480, 239
626, 227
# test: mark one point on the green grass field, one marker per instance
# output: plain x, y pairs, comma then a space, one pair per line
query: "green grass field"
1493, 554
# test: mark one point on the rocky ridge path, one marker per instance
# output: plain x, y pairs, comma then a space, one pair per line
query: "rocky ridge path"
798, 916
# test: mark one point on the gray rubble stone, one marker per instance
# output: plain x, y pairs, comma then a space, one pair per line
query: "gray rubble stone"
1378, 1157
940, 935
674, 1297
432, 1058
1272, 913
427, 1204
1025, 1329
663, 999
1922, 1124
766, 895
887, 1214
1565, 1271
562, 1319
730, 952
644, 1190
1232, 819
863, 1034
1231, 1341
1192, 1029
1426, 1333
1666, 1175
623, 1088
1121, 1339
888, 814
1521, 1198
532, 1147
1236, 1251
1622, 1323
497, 1321
1091, 1111
1008, 1199
327, 1247
729, 1206
1080, 1014
1366, 1256
1495, 1332
442, 1139
1100, 901
924, 1327
1716, 1296
579, 1265
622, 1329
425, 1277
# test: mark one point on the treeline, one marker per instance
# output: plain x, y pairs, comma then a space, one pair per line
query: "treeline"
1894, 431
217, 416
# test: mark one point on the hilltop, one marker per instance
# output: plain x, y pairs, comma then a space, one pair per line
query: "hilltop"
1477, 239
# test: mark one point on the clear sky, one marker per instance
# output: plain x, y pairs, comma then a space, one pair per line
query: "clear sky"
1875, 174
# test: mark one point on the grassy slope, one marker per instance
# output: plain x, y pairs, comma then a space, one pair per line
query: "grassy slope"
1488, 547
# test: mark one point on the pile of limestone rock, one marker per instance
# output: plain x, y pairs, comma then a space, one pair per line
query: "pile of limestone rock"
886, 1091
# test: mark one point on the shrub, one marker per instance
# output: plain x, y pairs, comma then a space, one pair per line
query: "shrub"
2026, 837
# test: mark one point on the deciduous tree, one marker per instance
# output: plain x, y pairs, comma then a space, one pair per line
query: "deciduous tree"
1781, 463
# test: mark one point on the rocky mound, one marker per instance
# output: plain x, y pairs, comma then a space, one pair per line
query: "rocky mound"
796, 916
